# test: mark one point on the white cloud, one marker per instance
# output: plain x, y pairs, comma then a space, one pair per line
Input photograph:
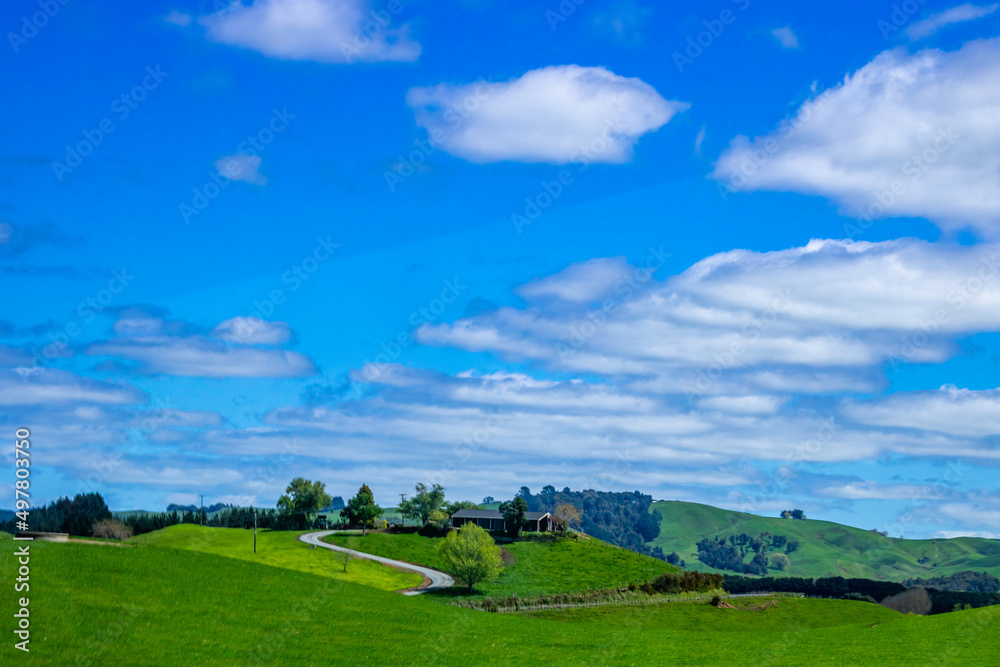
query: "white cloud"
959, 14
156, 346
948, 410
178, 18
756, 318
874, 491
241, 167
584, 282
328, 31
786, 37
949, 534
742, 404
906, 135
557, 114
253, 331
48, 387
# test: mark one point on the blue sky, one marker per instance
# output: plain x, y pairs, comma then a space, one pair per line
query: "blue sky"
736, 253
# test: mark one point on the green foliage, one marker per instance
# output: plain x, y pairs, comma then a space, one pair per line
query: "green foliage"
361, 509
471, 555
451, 508
513, 514
303, 497
624, 519
76, 517
423, 504
567, 516
968, 581
780, 562
793, 514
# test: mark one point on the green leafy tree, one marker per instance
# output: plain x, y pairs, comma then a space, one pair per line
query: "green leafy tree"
513, 513
361, 509
451, 508
471, 555
301, 498
426, 502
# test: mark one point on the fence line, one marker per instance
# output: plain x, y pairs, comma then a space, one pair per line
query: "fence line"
642, 601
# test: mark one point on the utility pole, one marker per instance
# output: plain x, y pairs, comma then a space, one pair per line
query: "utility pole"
254, 529
201, 515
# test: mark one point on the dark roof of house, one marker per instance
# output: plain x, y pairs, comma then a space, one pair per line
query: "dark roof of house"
494, 514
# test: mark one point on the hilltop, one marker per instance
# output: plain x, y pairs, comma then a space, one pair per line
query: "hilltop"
825, 548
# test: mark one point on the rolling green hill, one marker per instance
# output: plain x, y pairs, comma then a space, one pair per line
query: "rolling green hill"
827, 549
152, 605
532, 568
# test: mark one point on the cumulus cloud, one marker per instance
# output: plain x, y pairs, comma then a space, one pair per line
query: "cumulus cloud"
580, 283
327, 31
906, 135
786, 37
557, 114
959, 14
241, 167
253, 331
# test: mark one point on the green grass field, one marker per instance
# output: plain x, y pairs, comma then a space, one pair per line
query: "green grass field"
278, 548
533, 568
153, 605
827, 549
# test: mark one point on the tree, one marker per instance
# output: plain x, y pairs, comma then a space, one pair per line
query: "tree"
361, 509
425, 503
471, 555
488, 499
792, 546
911, 601
451, 508
337, 503
566, 516
780, 562
793, 514
513, 513
301, 498
343, 557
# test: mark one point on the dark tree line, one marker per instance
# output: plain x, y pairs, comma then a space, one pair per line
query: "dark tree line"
76, 516
968, 581
731, 553
622, 519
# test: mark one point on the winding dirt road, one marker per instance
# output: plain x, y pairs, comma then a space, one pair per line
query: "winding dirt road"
439, 580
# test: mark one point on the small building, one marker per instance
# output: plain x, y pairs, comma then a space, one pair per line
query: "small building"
493, 521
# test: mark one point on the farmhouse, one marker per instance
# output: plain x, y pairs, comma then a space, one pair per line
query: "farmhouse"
492, 520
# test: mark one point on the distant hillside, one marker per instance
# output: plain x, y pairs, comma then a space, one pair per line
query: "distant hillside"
825, 549
6, 515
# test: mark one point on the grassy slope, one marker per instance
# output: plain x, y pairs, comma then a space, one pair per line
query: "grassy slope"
828, 549
279, 548
534, 567
157, 606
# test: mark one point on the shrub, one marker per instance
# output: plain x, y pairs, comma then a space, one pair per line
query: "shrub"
716, 601
911, 601
780, 562
860, 597
110, 528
